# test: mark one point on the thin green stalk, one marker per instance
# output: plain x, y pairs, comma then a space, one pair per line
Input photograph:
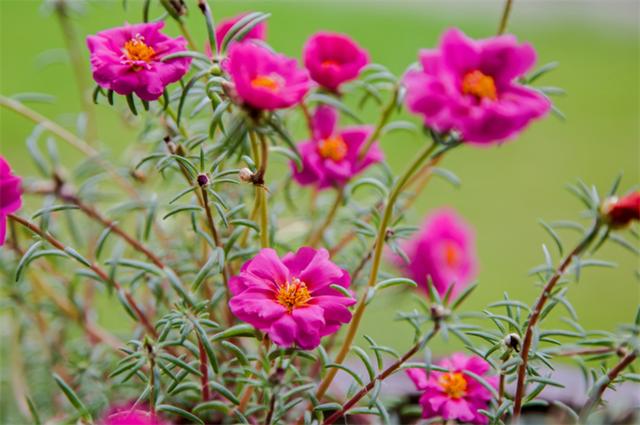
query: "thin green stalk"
377, 257
78, 65
505, 17
382, 121
316, 236
75, 141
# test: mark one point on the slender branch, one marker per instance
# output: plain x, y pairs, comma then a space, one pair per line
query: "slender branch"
78, 65
381, 377
93, 267
204, 370
602, 385
70, 138
535, 315
584, 352
382, 121
377, 257
505, 17
316, 236
262, 193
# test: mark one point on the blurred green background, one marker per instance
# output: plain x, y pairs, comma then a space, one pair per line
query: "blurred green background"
505, 190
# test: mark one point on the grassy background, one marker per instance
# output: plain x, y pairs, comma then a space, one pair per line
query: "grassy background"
505, 190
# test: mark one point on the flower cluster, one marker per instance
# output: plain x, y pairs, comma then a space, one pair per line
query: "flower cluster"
246, 307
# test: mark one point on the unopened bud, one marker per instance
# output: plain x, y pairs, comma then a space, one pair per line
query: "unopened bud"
513, 341
619, 213
203, 180
439, 312
246, 175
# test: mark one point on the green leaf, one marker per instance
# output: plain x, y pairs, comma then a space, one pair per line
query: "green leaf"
242, 329
180, 412
27, 258
225, 392
181, 209
217, 406
34, 411
242, 27
553, 235
395, 282
72, 397
53, 209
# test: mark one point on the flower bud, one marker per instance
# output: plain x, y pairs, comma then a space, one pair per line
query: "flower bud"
619, 213
203, 180
513, 341
439, 312
246, 175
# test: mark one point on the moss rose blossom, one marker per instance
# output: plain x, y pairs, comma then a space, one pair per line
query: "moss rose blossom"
10, 195
333, 59
128, 59
443, 250
265, 80
290, 298
454, 395
331, 158
471, 86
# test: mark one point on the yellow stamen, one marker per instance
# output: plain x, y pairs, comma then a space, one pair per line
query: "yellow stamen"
451, 254
333, 147
479, 85
271, 83
137, 50
293, 294
453, 384
329, 63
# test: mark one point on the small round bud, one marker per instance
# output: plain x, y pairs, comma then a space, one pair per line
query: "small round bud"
620, 212
439, 312
215, 70
246, 175
622, 351
513, 341
203, 180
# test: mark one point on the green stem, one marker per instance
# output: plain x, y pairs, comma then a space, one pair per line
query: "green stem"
78, 65
70, 138
316, 236
382, 121
377, 257
505, 17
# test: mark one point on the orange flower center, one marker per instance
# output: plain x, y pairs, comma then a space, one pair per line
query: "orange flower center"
451, 254
268, 82
453, 384
329, 63
480, 85
137, 50
333, 147
293, 294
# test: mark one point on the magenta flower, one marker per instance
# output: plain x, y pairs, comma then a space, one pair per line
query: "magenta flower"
331, 157
266, 80
454, 395
444, 251
128, 59
333, 59
471, 86
259, 32
125, 415
10, 195
290, 299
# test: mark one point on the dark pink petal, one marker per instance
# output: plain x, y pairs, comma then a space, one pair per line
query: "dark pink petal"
310, 321
459, 53
267, 265
419, 377
324, 122
283, 332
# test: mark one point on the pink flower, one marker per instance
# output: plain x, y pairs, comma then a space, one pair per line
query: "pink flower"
128, 59
331, 157
333, 59
444, 251
125, 415
266, 80
10, 195
290, 298
259, 32
470, 86
455, 395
